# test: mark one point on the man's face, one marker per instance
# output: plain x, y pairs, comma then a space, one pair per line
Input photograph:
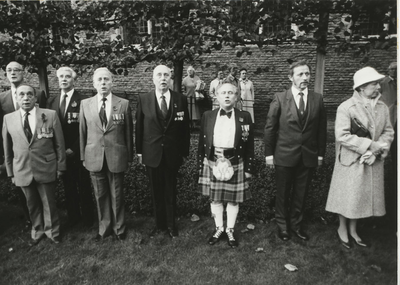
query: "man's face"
26, 98
301, 77
234, 71
65, 80
393, 71
226, 96
103, 83
220, 75
372, 90
161, 76
243, 74
15, 73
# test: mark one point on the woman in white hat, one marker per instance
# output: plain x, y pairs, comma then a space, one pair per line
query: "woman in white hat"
363, 136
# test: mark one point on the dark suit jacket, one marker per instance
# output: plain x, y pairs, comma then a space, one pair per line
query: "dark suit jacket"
152, 140
243, 148
284, 136
7, 107
70, 122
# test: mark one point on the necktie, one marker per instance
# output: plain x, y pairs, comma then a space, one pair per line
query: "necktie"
224, 113
164, 108
301, 103
62, 107
27, 128
103, 114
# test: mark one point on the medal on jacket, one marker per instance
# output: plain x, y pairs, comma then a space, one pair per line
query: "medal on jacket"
245, 132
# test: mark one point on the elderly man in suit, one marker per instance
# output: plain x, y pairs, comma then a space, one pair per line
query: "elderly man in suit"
295, 142
78, 191
106, 144
162, 143
8, 104
35, 156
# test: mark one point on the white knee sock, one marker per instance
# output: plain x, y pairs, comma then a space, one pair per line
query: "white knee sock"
232, 211
217, 211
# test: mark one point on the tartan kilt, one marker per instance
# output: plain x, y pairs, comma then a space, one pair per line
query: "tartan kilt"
235, 190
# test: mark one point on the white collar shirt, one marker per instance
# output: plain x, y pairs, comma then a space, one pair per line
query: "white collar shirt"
108, 104
224, 131
68, 99
14, 97
296, 96
31, 118
167, 98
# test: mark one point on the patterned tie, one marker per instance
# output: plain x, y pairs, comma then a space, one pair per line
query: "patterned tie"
301, 105
164, 108
103, 114
27, 128
62, 107
224, 113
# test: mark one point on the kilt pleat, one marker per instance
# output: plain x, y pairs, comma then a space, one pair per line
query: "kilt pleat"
235, 190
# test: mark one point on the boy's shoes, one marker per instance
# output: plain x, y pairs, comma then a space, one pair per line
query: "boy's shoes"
232, 242
217, 235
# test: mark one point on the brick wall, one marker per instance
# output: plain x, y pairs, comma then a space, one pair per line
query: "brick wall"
337, 86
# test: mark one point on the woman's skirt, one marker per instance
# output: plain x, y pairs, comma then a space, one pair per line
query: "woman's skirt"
234, 190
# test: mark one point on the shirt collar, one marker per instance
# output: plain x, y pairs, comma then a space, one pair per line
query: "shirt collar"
166, 94
31, 112
100, 97
296, 91
69, 93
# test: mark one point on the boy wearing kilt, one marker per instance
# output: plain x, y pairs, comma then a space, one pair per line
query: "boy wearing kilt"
225, 160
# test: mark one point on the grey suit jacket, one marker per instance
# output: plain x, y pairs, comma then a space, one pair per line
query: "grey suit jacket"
115, 143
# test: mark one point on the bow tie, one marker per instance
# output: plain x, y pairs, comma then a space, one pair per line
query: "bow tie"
224, 113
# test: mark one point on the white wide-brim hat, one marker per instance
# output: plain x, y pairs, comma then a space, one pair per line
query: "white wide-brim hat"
366, 75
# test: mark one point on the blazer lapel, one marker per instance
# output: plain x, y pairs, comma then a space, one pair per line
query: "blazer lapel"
172, 102
9, 101
310, 106
94, 111
17, 122
292, 106
238, 133
154, 105
210, 126
115, 109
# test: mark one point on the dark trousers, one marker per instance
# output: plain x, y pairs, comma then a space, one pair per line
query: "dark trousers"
109, 194
163, 189
78, 193
22, 202
292, 184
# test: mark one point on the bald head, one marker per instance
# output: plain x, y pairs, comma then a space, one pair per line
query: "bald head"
161, 77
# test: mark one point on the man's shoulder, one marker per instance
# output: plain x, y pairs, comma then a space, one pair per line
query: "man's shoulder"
48, 112
386, 80
5, 94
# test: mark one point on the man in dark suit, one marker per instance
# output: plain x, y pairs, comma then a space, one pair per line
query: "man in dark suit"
295, 141
78, 191
8, 104
35, 157
162, 143
106, 144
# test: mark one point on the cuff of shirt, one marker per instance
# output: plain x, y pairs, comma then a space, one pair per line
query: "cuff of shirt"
320, 158
139, 154
269, 157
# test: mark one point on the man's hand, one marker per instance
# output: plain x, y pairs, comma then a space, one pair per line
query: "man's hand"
370, 160
69, 152
60, 174
247, 175
270, 162
140, 159
13, 180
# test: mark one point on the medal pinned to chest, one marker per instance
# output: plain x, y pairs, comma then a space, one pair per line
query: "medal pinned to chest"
45, 133
118, 119
72, 117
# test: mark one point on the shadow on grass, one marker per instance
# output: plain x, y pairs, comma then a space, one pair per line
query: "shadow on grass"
190, 260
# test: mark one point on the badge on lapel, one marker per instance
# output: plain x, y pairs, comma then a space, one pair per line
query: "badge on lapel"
74, 104
241, 119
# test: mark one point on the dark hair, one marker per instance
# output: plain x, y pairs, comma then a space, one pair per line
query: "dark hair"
33, 88
242, 69
298, 63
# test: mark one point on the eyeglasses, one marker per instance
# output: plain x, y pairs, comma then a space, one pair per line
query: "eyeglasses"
14, 70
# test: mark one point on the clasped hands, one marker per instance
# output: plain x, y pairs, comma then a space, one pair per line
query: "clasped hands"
374, 150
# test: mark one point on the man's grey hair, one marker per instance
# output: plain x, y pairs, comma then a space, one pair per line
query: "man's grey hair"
227, 83
102, 69
69, 69
24, 84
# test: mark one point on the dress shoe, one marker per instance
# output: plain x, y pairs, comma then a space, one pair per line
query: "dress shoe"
216, 236
232, 242
120, 237
359, 242
283, 235
173, 232
98, 238
301, 234
55, 240
346, 245
34, 241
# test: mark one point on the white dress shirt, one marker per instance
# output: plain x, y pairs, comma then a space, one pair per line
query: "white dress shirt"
297, 97
167, 96
224, 131
108, 104
14, 97
68, 99
31, 119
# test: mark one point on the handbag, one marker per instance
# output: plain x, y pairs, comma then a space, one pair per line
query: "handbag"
358, 129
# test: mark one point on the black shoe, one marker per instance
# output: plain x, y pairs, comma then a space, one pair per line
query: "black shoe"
216, 236
283, 235
300, 234
173, 232
98, 238
55, 240
34, 242
359, 242
346, 245
120, 237
232, 242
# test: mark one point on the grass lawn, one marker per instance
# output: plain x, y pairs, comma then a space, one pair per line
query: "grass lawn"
190, 260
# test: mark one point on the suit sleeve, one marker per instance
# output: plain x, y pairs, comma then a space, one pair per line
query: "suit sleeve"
42, 99
249, 155
186, 128
272, 126
59, 144
82, 132
129, 132
8, 150
139, 116
322, 129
